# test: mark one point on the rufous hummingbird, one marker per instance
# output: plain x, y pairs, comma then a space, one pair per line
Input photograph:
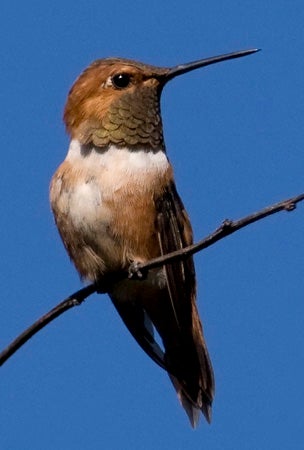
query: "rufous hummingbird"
115, 203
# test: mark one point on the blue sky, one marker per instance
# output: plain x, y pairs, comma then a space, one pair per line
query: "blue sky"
234, 133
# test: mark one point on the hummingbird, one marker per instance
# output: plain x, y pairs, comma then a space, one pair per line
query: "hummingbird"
115, 204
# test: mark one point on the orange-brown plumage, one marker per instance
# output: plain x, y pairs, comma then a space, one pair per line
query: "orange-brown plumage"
131, 240
115, 202
90, 100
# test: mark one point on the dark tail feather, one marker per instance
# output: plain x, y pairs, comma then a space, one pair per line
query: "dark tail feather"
192, 409
191, 373
141, 328
185, 357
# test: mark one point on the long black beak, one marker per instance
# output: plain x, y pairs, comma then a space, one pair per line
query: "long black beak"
183, 68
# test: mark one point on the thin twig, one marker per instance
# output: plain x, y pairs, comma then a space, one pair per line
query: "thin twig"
73, 300
228, 227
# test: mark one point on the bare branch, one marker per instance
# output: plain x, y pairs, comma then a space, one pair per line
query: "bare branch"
73, 300
228, 227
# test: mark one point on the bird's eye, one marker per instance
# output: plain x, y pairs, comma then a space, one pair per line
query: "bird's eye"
121, 80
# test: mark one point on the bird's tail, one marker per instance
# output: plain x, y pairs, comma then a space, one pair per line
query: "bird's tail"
191, 373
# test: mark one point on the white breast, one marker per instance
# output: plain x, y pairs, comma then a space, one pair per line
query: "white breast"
93, 189
100, 174
118, 161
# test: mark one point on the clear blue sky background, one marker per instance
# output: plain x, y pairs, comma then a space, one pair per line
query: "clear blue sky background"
234, 133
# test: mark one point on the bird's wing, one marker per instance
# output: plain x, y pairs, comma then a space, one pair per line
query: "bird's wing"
170, 307
175, 233
167, 307
186, 353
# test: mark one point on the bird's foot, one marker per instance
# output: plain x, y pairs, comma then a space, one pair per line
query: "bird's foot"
135, 272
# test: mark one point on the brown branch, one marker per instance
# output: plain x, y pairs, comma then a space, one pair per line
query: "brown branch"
228, 227
73, 300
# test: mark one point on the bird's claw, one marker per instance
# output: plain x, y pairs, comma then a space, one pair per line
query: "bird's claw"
134, 271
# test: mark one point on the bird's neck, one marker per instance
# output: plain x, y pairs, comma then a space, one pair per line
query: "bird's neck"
118, 161
132, 121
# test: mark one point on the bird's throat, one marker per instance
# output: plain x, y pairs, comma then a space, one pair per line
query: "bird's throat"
132, 121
